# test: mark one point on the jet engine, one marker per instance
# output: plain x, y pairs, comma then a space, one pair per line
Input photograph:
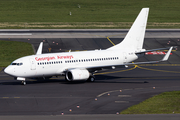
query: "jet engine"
77, 74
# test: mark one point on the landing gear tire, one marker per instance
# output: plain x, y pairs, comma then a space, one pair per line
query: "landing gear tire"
91, 79
23, 82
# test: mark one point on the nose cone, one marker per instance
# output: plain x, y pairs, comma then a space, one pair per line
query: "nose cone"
8, 70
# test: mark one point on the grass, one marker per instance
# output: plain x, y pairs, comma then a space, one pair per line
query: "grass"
86, 13
165, 103
11, 50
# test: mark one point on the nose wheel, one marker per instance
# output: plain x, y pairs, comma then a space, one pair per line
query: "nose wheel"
23, 83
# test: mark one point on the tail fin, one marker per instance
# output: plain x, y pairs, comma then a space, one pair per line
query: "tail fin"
135, 37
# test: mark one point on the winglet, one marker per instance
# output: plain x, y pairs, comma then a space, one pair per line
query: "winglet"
167, 54
39, 51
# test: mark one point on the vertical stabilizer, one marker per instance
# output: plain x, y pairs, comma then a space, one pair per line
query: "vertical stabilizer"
135, 37
39, 51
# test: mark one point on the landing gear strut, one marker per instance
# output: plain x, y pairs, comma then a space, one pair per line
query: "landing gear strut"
23, 82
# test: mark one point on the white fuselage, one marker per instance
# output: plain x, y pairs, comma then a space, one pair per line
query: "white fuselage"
56, 63
82, 65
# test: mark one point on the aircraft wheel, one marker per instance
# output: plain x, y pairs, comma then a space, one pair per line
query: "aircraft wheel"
23, 82
91, 79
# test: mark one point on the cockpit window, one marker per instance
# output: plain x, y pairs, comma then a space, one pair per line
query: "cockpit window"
18, 64
13, 63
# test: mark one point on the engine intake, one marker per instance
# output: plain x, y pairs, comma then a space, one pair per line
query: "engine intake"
77, 74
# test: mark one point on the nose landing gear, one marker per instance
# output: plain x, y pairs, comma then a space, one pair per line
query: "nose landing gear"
23, 82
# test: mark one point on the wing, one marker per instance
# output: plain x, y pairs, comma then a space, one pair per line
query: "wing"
165, 58
98, 68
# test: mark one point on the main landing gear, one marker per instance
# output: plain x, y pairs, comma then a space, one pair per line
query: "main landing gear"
91, 79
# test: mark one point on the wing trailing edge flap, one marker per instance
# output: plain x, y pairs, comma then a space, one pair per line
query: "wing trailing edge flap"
165, 58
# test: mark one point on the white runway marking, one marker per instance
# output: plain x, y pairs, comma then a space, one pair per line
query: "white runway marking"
15, 34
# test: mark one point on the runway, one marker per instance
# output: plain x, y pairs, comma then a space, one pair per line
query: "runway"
113, 90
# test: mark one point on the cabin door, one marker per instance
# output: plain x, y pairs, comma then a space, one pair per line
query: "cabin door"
32, 64
124, 57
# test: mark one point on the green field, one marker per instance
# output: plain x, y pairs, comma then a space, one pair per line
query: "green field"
165, 103
11, 50
86, 13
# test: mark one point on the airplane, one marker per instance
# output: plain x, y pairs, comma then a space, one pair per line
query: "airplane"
83, 64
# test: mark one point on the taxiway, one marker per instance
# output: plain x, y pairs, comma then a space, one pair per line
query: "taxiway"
113, 90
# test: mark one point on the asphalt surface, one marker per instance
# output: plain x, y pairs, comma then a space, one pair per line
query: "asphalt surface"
112, 92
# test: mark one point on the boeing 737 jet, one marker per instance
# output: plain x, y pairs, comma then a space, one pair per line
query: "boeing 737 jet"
82, 65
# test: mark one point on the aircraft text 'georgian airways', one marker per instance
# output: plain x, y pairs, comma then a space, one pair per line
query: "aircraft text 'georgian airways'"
53, 58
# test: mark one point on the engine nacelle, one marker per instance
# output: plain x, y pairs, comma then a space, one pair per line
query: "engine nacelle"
77, 74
